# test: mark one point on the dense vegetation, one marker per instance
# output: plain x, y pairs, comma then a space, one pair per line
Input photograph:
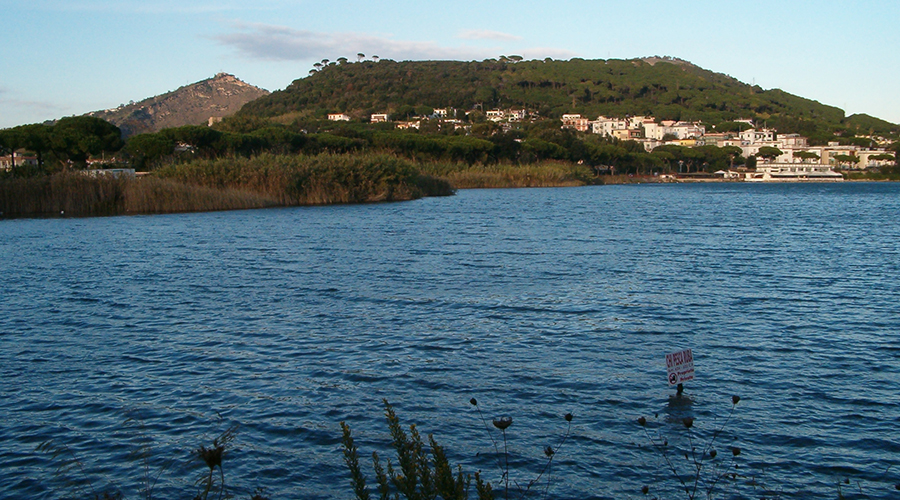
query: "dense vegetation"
541, 143
236, 183
668, 89
70, 141
280, 149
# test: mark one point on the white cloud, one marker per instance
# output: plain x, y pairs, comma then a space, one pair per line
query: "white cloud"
8, 99
487, 35
281, 43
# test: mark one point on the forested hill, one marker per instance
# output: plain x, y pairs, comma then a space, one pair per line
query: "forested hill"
664, 88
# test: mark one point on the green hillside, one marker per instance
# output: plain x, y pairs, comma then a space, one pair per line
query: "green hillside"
664, 88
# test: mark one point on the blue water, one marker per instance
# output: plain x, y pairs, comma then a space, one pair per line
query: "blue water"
128, 342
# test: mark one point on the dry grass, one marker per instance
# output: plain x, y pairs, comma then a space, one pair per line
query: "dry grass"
547, 174
78, 195
224, 184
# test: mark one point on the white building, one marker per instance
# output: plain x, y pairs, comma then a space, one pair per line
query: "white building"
338, 117
575, 121
685, 130
753, 136
792, 172
16, 160
517, 115
495, 115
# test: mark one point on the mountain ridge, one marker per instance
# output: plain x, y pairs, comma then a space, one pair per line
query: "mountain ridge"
195, 104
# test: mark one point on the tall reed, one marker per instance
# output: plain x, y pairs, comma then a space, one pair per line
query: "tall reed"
224, 184
314, 180
545, 174
74, 194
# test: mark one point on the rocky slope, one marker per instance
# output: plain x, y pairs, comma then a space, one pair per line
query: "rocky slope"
195, 104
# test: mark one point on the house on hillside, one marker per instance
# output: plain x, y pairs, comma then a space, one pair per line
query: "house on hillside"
576, 121
495, 115
408, 125
17, 160
379, 118
516, 115
339, 117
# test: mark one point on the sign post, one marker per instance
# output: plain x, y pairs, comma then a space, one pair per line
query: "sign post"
680, 366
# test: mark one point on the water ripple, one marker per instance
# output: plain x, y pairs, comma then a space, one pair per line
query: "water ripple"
116, 331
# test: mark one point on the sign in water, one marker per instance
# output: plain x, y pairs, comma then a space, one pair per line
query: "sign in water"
680, 366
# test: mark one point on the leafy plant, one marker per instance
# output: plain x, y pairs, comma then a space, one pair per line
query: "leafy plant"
420, 473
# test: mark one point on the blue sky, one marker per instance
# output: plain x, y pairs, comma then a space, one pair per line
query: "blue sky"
68, 57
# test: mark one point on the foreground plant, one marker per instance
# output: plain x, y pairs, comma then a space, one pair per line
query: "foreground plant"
420, 473
213, 457
503, 423
703, 470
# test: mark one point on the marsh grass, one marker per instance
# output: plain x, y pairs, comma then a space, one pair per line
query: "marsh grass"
314, 180
270, 180
73, 194
223, 184
546, 174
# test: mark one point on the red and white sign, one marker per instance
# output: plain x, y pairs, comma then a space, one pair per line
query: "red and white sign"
680, 366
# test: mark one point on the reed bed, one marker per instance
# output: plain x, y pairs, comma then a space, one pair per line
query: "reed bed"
546, 174
277, 180
75, 194
223, 184
314, 180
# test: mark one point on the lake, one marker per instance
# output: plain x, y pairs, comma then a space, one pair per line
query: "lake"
128, 342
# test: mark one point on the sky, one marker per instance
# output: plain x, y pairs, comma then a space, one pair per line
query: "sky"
69, 57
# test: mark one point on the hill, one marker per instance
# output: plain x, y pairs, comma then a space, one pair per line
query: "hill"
194, 104
666, 88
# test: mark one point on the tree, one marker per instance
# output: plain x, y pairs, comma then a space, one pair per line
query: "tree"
10, 141
725, 127
146, 149
733, 153
805, 155
669, 137
882, 157
205, 140
424, 110
848, 160
36, 138
769, 153
360, 57
77, 138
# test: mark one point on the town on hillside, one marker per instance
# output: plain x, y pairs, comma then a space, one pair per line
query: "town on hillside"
783, 156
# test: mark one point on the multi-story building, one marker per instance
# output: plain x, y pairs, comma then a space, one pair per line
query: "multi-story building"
576, 122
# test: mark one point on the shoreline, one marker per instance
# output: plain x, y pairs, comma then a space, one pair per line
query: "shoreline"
166, 196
